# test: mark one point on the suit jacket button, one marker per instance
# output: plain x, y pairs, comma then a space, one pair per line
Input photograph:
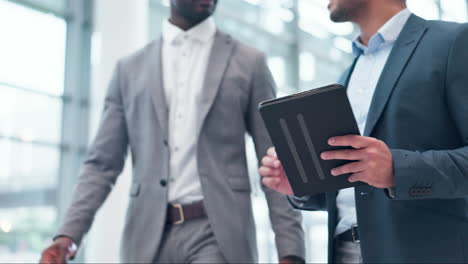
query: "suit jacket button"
163, 183
165, 143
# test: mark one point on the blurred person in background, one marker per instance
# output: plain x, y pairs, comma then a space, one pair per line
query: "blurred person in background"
182, 105
408, 88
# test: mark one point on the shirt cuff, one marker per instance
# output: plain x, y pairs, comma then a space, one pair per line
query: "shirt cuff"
391, 192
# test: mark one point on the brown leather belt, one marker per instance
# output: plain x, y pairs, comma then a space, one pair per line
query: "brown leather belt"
178, 214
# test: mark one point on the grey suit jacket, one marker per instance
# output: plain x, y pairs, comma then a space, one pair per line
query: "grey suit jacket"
136, 117
420, 109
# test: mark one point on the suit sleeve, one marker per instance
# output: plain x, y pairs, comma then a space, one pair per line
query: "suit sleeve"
309, 203
104, 163
286, 222
441, 174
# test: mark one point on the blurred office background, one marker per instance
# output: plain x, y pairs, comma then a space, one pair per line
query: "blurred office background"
56, 57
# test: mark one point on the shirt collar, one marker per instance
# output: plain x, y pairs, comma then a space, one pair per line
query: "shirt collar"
202, 32
387, 34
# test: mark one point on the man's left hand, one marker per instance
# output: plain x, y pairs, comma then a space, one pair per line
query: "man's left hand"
373, 160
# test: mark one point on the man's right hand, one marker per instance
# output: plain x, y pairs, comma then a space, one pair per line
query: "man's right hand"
62, 250
273, 173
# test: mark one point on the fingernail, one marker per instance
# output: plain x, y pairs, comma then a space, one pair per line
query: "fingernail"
331, 141
334, 172
323, 156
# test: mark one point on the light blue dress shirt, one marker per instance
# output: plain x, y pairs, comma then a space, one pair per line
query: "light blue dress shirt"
361, 87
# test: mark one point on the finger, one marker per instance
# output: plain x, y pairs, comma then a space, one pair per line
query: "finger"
268, 172
62, 258
272, 152
271, 182
353, 167
343, 154
354, 141
272, 162
355, 177
45, 259
49, 257
50, 260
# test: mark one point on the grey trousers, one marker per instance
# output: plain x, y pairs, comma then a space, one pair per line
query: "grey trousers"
348, 252
191, 242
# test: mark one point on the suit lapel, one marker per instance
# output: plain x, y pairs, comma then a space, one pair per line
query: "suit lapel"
219, 59
156, 85
398, 59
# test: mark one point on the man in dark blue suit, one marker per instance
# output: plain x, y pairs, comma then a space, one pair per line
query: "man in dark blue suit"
408, 88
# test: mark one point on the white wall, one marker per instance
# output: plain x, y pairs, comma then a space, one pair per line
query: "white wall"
121, 27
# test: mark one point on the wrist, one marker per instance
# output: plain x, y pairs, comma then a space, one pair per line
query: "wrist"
65, 240
68, 244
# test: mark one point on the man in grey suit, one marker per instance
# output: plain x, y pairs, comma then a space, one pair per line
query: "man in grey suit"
408, 88
183, 105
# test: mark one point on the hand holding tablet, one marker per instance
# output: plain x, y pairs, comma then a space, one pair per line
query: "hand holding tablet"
300, 126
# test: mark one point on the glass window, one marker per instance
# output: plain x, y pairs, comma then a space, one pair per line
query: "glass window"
28, 116
454, 10
278, 68
24, 231
33, 45
314, 19
307, 67
27, 167
428, 9
33, 49
274, 17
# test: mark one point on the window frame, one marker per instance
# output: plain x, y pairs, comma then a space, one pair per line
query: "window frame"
75, 107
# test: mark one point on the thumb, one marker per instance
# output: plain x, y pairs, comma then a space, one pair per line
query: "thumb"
62, 256
53, 255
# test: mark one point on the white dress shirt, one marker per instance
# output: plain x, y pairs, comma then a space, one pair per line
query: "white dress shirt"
361, 87
185, 56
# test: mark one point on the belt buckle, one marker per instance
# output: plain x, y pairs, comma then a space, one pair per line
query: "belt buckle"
181, 214
353, 233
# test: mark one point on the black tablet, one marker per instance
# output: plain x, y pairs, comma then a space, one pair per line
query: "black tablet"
300, 126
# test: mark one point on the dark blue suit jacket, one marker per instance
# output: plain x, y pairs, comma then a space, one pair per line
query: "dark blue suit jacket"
420, 110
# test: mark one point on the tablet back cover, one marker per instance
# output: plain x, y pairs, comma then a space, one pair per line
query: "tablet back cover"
300, 126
